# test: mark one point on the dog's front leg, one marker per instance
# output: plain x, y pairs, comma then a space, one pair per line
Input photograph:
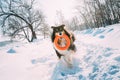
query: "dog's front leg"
69, 58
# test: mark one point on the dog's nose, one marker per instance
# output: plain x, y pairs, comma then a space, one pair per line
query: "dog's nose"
60, 33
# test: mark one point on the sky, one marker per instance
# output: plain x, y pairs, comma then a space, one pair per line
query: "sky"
49, 7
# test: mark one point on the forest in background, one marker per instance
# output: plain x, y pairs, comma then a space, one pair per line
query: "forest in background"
95, 14
19, 19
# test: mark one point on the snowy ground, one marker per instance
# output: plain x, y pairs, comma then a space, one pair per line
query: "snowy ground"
97, 58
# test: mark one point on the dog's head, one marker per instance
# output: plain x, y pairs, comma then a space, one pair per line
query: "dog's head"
58, 30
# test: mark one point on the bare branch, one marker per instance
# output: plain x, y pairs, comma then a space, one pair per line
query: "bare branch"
4, 20
18, 30
1, 7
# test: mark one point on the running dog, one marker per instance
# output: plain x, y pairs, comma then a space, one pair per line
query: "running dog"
66, 54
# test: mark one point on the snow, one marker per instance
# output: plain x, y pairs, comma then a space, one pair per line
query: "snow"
11, 51
97, 57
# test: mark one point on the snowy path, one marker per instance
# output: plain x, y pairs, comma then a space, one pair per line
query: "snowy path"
101, 63
95, 63
97, 58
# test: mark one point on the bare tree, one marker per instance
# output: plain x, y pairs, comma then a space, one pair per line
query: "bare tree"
45, 30
60, 17
98, 13
74, 24
18, 18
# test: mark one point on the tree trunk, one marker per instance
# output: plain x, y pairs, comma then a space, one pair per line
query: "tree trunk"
33, 36
33, 33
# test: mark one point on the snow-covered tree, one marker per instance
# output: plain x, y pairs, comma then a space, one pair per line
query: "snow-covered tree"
98, 13
19, 18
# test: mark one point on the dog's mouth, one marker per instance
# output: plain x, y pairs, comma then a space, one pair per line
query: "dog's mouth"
62, 42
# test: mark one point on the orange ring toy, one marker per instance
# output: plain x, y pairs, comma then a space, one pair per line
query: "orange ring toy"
61, 47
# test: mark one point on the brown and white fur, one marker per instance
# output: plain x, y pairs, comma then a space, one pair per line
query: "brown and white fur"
65, 55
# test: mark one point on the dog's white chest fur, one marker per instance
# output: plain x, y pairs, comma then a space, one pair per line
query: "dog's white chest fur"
67, 57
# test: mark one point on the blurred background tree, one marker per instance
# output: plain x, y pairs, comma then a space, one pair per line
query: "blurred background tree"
19, 19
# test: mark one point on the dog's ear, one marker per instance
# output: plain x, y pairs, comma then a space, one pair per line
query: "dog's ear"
52, 27
62, 26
